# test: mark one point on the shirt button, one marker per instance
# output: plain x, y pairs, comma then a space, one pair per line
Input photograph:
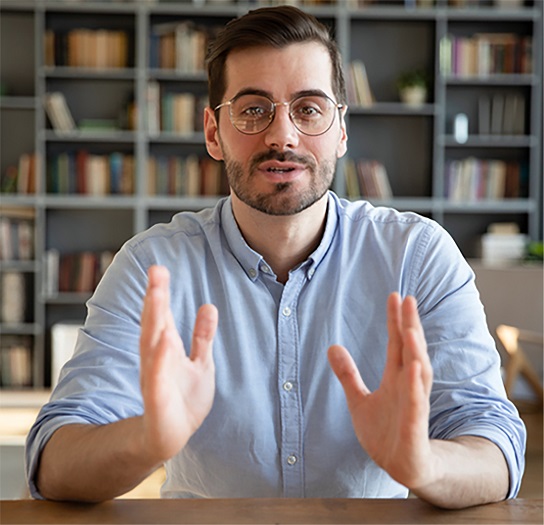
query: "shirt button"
286, 311
252, 272
291, 459
265, 268
288, 386
311, 272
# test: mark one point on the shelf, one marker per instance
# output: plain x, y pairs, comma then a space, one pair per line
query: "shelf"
490, 141
394, 109
173, 75
19, 266
15, 102
180, 203
81, 201
20, 329
492, 80
414, 144
175, 138
116, 136
67, 298
490, 206
490, 14
64, 72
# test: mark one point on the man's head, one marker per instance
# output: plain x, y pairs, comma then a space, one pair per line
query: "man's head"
275, 27
281, 91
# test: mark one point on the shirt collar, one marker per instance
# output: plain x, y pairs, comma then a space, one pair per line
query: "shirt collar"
253, 263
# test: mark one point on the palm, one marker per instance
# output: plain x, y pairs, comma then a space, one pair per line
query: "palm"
392, 423
177, 389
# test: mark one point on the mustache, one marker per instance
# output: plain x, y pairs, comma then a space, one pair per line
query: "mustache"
281, 156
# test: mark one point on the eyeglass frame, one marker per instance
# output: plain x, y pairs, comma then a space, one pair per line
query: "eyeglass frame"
258, 93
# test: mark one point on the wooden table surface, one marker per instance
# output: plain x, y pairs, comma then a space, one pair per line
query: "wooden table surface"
261, 511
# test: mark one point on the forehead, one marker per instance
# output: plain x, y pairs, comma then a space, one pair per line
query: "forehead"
281, 72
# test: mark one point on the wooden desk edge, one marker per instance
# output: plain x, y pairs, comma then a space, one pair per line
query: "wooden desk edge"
267, 510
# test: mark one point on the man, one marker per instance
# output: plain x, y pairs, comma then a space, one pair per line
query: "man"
275, 275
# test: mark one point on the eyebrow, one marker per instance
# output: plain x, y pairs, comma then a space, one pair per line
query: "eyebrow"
267, 94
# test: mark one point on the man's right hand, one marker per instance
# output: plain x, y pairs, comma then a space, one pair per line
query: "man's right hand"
177, 389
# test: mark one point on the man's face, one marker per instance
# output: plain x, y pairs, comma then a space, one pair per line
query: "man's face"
279, 171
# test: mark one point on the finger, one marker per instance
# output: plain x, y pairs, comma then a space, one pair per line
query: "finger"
394, 322
418, 397
204, 332
156, 304
416, 351
346, 371
415, 344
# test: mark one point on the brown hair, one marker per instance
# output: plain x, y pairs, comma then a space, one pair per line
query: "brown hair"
269, 26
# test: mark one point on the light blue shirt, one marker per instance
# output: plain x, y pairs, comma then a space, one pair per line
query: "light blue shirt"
279, 425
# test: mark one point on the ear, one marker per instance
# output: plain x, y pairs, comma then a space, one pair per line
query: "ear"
211, 134
343, 142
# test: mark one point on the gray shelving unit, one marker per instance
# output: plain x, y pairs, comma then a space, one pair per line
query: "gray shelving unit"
413, 144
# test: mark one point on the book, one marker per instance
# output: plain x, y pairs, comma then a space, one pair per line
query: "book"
373, 179
51, 280
12, 297
15, 361
484, 115
16, 233
363, 94
58, 112
497, 112
153, 104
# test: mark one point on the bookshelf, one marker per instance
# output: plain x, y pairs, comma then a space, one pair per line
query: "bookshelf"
149, 168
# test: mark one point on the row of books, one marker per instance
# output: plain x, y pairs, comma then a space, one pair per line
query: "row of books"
16, 361
81, 172
89, 48
368, 179
180, 46
357, 85
74, 272
17, 234
24, 177
474, 179
191, 176
501, 114
180, 113
486, 54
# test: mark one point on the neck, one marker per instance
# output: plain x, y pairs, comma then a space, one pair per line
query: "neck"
283, 240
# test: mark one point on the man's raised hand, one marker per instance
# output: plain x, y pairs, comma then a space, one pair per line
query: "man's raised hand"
392, 423
177, 389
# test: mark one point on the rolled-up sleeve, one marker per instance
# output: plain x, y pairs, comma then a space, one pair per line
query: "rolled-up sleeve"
468, 395
100, 384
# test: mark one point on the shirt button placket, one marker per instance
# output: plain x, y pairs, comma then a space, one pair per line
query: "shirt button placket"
291, 410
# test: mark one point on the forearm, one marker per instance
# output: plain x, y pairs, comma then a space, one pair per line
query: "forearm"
465, 471
94, 463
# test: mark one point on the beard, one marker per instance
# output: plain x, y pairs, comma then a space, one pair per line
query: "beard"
285, 198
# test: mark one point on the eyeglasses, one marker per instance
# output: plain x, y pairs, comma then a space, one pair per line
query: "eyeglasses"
253, 113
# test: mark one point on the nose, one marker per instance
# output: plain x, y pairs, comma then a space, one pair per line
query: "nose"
282, 133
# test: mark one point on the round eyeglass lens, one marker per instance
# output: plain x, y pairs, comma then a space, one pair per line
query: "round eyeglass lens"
312, 115
251, 113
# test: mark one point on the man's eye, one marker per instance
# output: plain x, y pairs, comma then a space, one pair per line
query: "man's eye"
307, 111
254, 112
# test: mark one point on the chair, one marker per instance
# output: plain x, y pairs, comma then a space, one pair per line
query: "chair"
513, 339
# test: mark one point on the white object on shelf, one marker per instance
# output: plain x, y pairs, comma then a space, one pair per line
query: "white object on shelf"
503, 248
63, 341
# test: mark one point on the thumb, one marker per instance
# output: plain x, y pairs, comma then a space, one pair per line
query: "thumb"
346, 371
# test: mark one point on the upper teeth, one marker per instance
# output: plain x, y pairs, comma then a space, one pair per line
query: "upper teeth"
280, 170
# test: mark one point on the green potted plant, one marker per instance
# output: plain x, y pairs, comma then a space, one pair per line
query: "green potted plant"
412, 86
